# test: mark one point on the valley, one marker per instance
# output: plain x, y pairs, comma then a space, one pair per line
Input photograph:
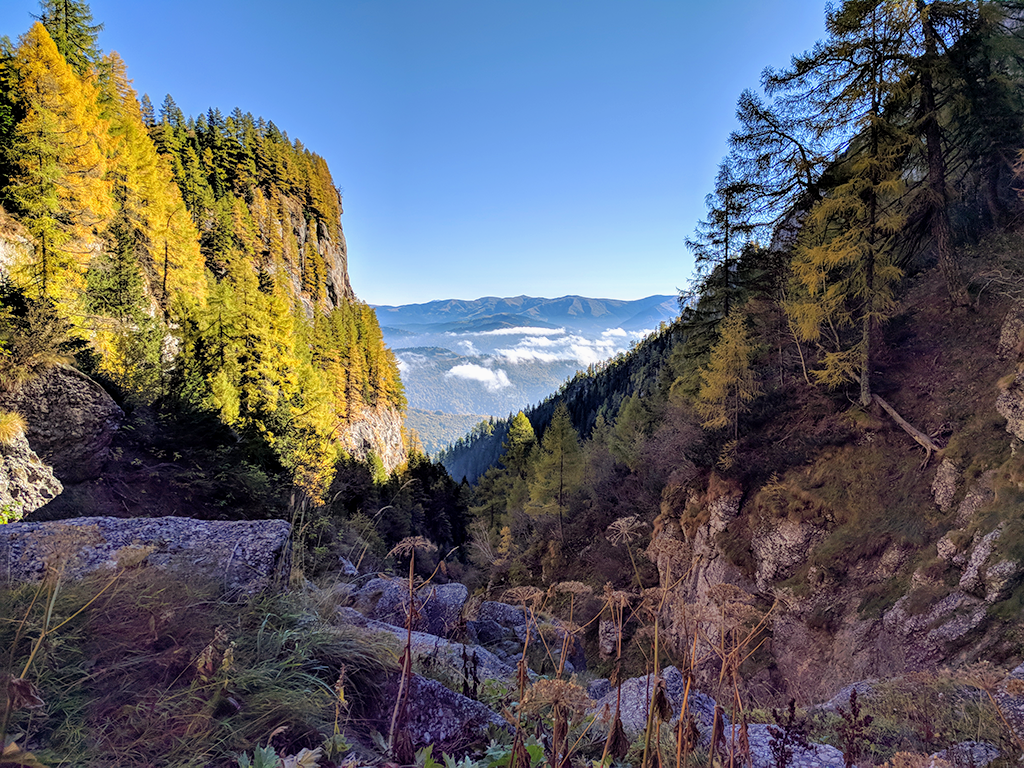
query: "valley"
496, 356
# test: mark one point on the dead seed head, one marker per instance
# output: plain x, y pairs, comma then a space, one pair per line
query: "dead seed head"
625, 530
577, 588
615, 598
981, 675
557, 693
522, 595
411, 544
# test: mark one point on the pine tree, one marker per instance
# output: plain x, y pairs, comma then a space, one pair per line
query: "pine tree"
70, 24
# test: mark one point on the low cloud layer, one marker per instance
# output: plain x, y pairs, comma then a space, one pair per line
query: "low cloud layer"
492, 379
569, 347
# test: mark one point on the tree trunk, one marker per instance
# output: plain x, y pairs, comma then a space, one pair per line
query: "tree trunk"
948, 263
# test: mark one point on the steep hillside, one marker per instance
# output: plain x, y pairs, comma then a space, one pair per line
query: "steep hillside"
194, 266
822, 460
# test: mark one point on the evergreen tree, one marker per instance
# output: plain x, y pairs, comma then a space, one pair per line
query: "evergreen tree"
70, 24
721, 237
558, 468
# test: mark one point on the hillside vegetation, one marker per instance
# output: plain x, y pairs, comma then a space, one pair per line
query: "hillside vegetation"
834, 368
197, 264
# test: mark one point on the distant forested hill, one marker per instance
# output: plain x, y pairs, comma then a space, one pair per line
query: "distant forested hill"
596, 393
437, 430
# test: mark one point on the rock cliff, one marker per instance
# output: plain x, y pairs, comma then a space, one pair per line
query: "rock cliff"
377, 431
870, 605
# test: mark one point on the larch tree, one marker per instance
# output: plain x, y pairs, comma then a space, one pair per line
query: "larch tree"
844, 267
559, 467
59, 164
728, 382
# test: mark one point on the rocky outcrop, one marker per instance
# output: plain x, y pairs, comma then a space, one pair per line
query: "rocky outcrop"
1011, 335
438, 608
781, 546
71, 421
26, 483
944, 486
243, 557
377, 431
335, 255
1010, 404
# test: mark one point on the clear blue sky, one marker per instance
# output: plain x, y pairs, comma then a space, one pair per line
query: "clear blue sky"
483, 147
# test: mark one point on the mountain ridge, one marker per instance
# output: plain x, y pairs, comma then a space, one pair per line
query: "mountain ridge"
574, 311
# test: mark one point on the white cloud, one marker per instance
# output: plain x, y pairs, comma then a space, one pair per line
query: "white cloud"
521, 331
468, 347
578, 349
614, 332
492, 379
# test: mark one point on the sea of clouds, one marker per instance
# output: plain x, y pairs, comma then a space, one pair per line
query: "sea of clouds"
506, 347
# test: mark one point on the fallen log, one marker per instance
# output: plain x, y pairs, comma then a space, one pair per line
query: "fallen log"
922, 439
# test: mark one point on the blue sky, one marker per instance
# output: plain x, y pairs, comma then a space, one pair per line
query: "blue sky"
483, 147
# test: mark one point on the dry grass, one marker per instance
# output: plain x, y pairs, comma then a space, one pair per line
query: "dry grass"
12, 427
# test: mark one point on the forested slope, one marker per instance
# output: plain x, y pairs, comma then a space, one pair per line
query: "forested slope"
197, 263
821, 441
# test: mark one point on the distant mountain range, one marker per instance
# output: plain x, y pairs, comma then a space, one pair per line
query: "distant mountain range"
495, 355
576, 313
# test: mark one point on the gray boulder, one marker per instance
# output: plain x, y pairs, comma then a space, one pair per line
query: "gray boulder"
636, 696
71, 421
453, 723
759, 740
26, 483
505, 615
455, 661
244, 557
438, 607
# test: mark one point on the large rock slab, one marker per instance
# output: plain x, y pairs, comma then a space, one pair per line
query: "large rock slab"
71, 421
26, 483
245, 557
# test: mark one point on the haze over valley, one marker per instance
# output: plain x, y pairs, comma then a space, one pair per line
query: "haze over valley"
494, 356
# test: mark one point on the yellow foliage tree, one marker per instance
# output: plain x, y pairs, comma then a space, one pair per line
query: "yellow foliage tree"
728, 382
59, 161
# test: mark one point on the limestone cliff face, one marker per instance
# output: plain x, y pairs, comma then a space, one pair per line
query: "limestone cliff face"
337, 287
377, 431
718, 546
